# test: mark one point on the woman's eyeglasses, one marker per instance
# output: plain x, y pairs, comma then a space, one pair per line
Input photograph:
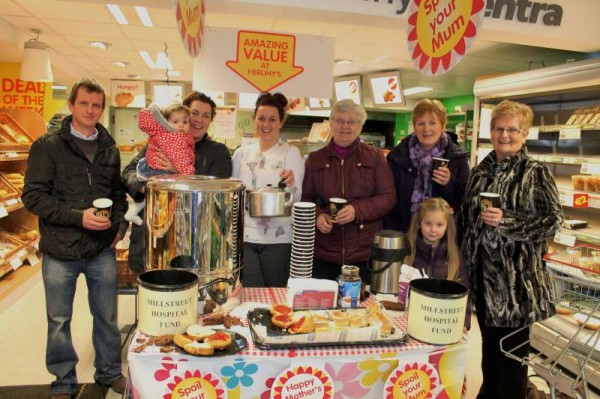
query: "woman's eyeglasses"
341, 122
510, 130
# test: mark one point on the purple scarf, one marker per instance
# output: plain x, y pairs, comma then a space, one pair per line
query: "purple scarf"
421, 159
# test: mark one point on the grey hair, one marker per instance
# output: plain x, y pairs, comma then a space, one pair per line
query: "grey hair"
348, 105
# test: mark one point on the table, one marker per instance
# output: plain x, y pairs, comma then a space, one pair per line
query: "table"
409, 370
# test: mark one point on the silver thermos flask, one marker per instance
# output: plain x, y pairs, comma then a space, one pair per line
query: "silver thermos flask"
388, 251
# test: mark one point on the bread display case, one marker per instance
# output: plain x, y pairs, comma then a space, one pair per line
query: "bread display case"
565, 136
18, 227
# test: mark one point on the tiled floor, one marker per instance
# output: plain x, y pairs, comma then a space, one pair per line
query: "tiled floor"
23, 340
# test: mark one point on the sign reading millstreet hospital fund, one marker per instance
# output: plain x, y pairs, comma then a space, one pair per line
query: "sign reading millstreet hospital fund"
250, 61
441, 31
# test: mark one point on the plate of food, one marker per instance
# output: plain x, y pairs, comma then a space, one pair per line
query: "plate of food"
280, 327
203, 341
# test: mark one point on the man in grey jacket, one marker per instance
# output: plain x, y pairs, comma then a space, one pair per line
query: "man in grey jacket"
67, 170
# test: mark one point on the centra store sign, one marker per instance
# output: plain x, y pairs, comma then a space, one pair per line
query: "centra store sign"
525, 11
520, 10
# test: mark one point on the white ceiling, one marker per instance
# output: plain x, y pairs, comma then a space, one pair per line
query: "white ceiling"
372, 43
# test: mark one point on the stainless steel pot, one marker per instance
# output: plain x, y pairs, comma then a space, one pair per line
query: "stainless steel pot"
270, 201
198, 219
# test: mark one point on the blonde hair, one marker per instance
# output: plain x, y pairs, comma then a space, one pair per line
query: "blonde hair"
512, 108
432, 205
434, 107
173, 108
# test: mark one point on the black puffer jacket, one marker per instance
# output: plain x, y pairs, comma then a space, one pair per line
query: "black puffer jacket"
60, 183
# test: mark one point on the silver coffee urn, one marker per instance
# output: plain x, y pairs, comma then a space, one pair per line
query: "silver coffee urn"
196, 223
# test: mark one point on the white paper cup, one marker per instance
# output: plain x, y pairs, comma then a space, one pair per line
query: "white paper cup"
103, 207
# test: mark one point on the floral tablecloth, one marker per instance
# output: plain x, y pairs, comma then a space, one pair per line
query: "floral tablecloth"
410, 370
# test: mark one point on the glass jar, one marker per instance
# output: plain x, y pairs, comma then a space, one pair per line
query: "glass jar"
349, 287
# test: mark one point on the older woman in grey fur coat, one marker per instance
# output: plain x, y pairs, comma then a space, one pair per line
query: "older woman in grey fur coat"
503, 248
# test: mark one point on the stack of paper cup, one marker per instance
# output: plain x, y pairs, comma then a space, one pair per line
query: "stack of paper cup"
303, 239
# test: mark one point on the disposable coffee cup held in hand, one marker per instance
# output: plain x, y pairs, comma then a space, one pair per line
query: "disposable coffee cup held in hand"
487, 200
336, 205
439, 163
103, 207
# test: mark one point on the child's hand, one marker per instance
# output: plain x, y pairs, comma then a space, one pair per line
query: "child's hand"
164, 162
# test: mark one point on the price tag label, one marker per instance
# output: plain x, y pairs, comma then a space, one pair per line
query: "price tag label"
11, 154
566, 199
590, 168
33, 259
36, 245
565, 239
11, 201
570, 133
3, 211
569, 160
534, 133
581, 200
15, 263
22, 253
594, 203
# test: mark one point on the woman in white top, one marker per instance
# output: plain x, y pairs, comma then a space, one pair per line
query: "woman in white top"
268, 241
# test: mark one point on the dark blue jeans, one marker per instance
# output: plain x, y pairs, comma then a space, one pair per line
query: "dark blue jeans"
60, 282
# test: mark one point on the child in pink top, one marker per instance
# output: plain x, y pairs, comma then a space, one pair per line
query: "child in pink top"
168, 133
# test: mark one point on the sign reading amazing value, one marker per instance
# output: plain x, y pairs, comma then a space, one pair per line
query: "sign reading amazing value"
250, 61
265, 60
441, 31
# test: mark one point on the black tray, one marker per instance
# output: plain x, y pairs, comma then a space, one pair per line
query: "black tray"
238, 343
262, 317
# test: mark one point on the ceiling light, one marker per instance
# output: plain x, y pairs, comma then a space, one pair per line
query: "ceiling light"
101, 45
342, 61
173, 73
143, 15
415, 90
134, 76
115, 10
121, 64
162, 61
59, 87
35, 66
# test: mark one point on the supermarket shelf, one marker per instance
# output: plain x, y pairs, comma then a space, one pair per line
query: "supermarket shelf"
556, 128
26, 255
9, 206
566, 193
588, 234
565, 159
10, 156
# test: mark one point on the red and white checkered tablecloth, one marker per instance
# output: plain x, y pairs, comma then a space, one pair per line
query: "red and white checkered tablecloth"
278, 295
